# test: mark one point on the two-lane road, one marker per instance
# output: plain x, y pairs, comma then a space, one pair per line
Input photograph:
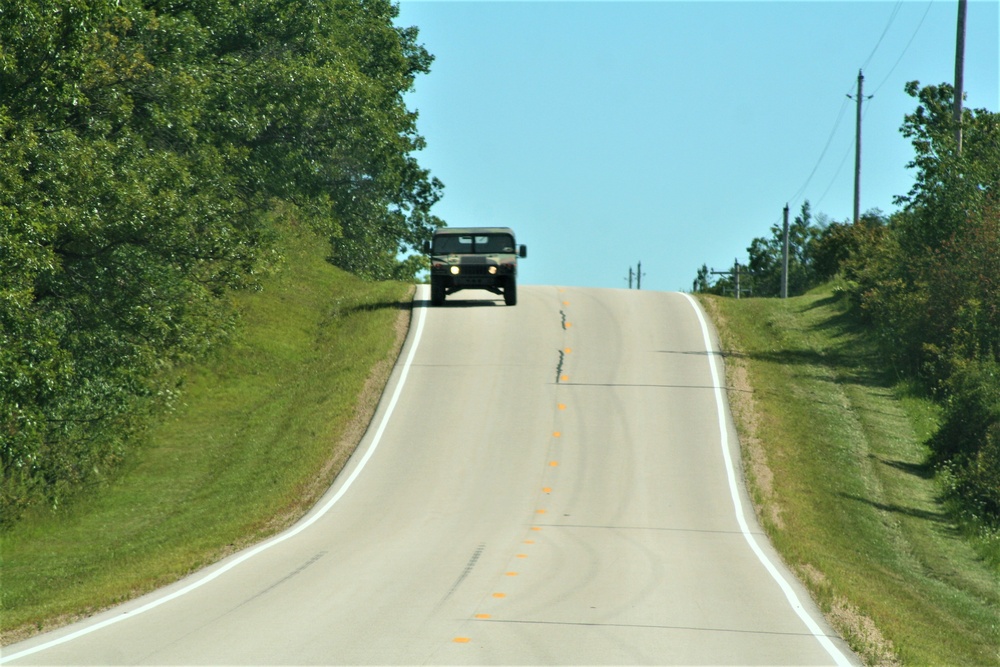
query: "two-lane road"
553, 483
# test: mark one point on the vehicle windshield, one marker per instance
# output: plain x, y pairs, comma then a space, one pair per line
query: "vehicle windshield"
447, 244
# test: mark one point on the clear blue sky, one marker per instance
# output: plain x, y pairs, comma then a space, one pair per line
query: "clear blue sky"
673, 133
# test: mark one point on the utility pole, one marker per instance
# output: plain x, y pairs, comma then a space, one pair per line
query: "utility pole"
734, 274
784, 255
959, 72
857, 151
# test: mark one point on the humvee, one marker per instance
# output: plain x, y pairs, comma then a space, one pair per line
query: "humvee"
474, 258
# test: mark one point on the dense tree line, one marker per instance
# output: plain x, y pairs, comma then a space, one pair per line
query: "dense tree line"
145, 149
926, 279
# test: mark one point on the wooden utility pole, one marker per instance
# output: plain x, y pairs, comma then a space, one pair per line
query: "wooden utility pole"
857, 153
784, 257
959, 72
734, 274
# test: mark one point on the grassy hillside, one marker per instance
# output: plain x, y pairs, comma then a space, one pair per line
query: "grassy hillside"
835, 459
259, 433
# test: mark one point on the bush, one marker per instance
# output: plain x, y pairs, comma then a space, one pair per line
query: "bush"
963, 287
967, 446
838, 242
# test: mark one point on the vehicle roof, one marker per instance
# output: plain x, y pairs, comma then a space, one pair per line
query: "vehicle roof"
474, 230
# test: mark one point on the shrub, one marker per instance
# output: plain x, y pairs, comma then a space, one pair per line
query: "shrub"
967, 445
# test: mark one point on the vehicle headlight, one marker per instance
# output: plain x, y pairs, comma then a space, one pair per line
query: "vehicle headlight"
455, 270
492, 270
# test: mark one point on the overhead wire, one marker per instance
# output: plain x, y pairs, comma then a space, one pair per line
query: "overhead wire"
847, 152
829, 140
892, 17
833, 180
905, 48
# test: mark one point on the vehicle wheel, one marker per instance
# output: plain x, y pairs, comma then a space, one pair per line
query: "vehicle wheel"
437, 290
510, 292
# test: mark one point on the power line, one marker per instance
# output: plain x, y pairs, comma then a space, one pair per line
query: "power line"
836, 124
840, 115
905, 48
892, 17
840, 166
847, 151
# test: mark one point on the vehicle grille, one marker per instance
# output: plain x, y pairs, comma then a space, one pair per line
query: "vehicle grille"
475, 270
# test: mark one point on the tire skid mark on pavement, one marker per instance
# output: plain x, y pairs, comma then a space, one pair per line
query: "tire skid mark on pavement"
551, 463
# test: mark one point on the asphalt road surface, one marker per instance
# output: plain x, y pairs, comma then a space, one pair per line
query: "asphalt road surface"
552, 483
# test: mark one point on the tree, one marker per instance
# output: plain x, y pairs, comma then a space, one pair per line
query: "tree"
838, 242
927, 285
948, 185
701, 283
143, 146
766, 256
927, 282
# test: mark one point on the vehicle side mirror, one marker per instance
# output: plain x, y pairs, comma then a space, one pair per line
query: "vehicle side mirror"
522, 251
427, 247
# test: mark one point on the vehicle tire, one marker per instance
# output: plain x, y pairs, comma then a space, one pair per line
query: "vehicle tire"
510, 292
437, 290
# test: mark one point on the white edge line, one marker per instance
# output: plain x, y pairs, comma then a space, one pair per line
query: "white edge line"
287, 535
817, 632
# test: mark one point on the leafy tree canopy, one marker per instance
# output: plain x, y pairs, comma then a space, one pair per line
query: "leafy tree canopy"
142, 145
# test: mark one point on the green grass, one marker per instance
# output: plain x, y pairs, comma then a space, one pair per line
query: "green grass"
835, 459
258, 434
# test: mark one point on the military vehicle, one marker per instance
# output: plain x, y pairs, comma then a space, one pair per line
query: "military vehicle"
474, 258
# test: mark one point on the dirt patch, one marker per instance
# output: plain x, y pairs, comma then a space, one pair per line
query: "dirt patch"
760, 478
863, 635
809, 573
859, 630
